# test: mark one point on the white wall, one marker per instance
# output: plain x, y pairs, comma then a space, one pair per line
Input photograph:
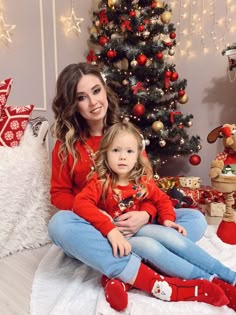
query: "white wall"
40, 50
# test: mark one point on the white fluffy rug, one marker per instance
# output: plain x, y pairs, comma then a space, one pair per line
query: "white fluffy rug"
24, 194
64, 286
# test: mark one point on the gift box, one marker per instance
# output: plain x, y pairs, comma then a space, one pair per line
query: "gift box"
189, 181
215, 209
167, 182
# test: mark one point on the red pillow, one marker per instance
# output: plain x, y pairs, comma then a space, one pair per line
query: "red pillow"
5, 88
13, 122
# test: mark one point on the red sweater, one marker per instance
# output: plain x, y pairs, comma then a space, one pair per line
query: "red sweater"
65, 187
122, 199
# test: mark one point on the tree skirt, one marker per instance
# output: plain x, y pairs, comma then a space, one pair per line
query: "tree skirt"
64, 286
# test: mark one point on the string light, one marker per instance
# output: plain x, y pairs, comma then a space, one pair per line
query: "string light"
210, 21
72, 23
5, 30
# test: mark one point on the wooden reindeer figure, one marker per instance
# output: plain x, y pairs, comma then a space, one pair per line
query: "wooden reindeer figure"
225, 181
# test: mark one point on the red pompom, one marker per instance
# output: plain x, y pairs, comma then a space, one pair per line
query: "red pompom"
194, 159
139, 109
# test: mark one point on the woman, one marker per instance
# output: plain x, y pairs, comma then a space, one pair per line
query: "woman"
84, 108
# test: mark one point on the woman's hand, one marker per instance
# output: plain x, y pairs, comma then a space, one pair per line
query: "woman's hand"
175, 226
129, 223
118, 243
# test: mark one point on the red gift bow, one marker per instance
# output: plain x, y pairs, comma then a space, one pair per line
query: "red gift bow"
103, 17
172, 116
91, 56
137, 87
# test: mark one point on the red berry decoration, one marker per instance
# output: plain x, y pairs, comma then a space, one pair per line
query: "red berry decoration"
139, 109
103, 40
159, 55
111, 53
172, 35
181, 93
141, 59
174, 76
195, 159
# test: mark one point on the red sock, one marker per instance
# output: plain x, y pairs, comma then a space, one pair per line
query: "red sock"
104, 281
175, 289
115, 293
229, 290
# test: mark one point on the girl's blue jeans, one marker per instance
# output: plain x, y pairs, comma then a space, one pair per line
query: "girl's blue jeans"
162, 247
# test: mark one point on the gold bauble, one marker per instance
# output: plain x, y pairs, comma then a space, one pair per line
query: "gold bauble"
157, 126
112, 3
183, 99
159, 4
166, 17
93, 30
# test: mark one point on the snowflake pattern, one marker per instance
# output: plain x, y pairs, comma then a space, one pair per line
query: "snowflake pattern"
8, 135
2, 100
19, 134
14, 124
13, 119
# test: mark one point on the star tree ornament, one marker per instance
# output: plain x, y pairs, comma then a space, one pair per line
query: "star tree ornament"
5, 30
72, 23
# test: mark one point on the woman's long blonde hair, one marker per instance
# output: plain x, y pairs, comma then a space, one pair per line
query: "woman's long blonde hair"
70, 127
142, 170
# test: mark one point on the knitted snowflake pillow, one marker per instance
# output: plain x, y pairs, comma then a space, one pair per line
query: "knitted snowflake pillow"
13, 119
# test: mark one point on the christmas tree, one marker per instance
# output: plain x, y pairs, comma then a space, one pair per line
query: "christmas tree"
132, 40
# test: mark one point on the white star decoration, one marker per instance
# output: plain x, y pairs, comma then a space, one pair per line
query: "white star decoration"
72, 23
5, 30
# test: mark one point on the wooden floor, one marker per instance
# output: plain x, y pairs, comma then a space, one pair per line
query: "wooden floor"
16, 278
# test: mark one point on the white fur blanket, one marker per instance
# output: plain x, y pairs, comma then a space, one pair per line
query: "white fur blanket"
64, 286
24, 194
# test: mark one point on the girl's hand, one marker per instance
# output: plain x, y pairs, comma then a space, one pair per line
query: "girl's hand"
175, 226
118, 243
129, 223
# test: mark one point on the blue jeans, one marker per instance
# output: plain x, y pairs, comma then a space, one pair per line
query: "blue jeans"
163, 247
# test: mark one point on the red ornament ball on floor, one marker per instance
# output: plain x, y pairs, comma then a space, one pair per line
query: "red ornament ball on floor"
195, 159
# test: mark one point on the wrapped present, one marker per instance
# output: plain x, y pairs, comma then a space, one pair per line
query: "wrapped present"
209, 195
167, 182
189, 181
215, 209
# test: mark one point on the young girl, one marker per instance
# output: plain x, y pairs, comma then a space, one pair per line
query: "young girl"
123, 180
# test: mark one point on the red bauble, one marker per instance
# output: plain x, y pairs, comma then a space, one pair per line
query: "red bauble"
168, 74
103, 40
172, 35
181, 93
140, 28
139, 109
159, 55
111, 53
141, 59
132, 13
195, 159
174, 76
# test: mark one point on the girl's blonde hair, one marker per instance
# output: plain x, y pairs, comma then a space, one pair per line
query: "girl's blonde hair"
142, 170
70, 127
